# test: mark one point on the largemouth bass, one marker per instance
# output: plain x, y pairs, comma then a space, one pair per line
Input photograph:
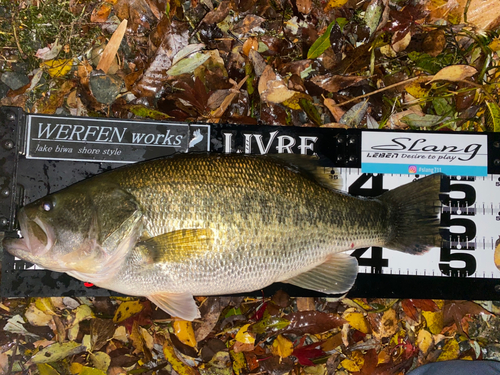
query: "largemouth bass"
215, 224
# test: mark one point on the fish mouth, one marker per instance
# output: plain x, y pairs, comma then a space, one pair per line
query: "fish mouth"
37, 238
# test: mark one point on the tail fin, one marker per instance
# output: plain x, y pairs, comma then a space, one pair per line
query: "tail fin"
413, 214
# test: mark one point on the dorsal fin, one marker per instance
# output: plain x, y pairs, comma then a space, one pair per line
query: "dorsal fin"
309, 165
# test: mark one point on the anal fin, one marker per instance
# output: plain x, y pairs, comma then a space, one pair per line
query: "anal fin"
336, 275
180, 305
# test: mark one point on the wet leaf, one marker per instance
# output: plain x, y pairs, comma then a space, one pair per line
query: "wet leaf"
45, 369
357, 321
146, 112
321, 44
126, 310
282, 347
424, 341
492, 117
305, 354
175, 362
188, 64
311, 111
450, 351
270, 324
312, 322
455, 311
244, 336
239, 362
334, 4
56, 352
354, 363
58, 68
373, 14
355, 115
416, 120
454, 73
335, 83
434, 321
184, 332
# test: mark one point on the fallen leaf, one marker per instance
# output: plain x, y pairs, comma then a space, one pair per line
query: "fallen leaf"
354, 363
282, 347
244, 336
56, 352
454, 73
492, 120
109, 53
101, 12
180, 367
424, 341
183, 329
312, 322
304, 6
322, 43
58, 68
355, 114
126, 310
45, 369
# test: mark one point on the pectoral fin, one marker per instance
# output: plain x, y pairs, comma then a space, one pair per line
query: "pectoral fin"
180, 305
336, 275
178, 245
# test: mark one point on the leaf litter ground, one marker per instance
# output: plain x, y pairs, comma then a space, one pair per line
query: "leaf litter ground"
337, 63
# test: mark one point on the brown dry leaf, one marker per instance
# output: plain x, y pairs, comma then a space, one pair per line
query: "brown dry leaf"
247, 24
250, 44
235, 91
84, 70
217, 15
304, 6
485, 15
109, 53
384, 326
434, 42
101, 12
335, 83
272, 88
175, 38
336, 111
454, 73
401, 43
305, 303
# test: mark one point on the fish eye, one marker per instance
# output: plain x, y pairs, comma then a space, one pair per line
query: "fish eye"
47, 206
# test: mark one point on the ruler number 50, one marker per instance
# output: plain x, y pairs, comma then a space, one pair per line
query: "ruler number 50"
457, 233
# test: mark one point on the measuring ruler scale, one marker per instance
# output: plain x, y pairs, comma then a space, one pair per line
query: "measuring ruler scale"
470, 220
43, 154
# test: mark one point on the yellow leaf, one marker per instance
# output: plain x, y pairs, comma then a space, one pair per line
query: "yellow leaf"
58, 68
282, 347
75, 368
434, 321
416, 90
36, 317
450, 351
126, 310
45, 369
91, 371
424, 340
45, 305
355, 363
176, 364
184, 332
239, 363
244, 336
334, 4
454, 73
495, 44
357, 321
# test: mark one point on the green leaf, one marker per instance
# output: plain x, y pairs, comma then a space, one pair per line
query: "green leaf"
57, 351
146, 112
421, 121
442, 106
372, 16
269, 324
492, 116
311, 111
321, 44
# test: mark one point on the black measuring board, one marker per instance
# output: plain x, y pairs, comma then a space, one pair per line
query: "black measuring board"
43, 154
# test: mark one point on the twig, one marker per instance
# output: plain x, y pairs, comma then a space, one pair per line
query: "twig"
17, 40
476, 85
382, 89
